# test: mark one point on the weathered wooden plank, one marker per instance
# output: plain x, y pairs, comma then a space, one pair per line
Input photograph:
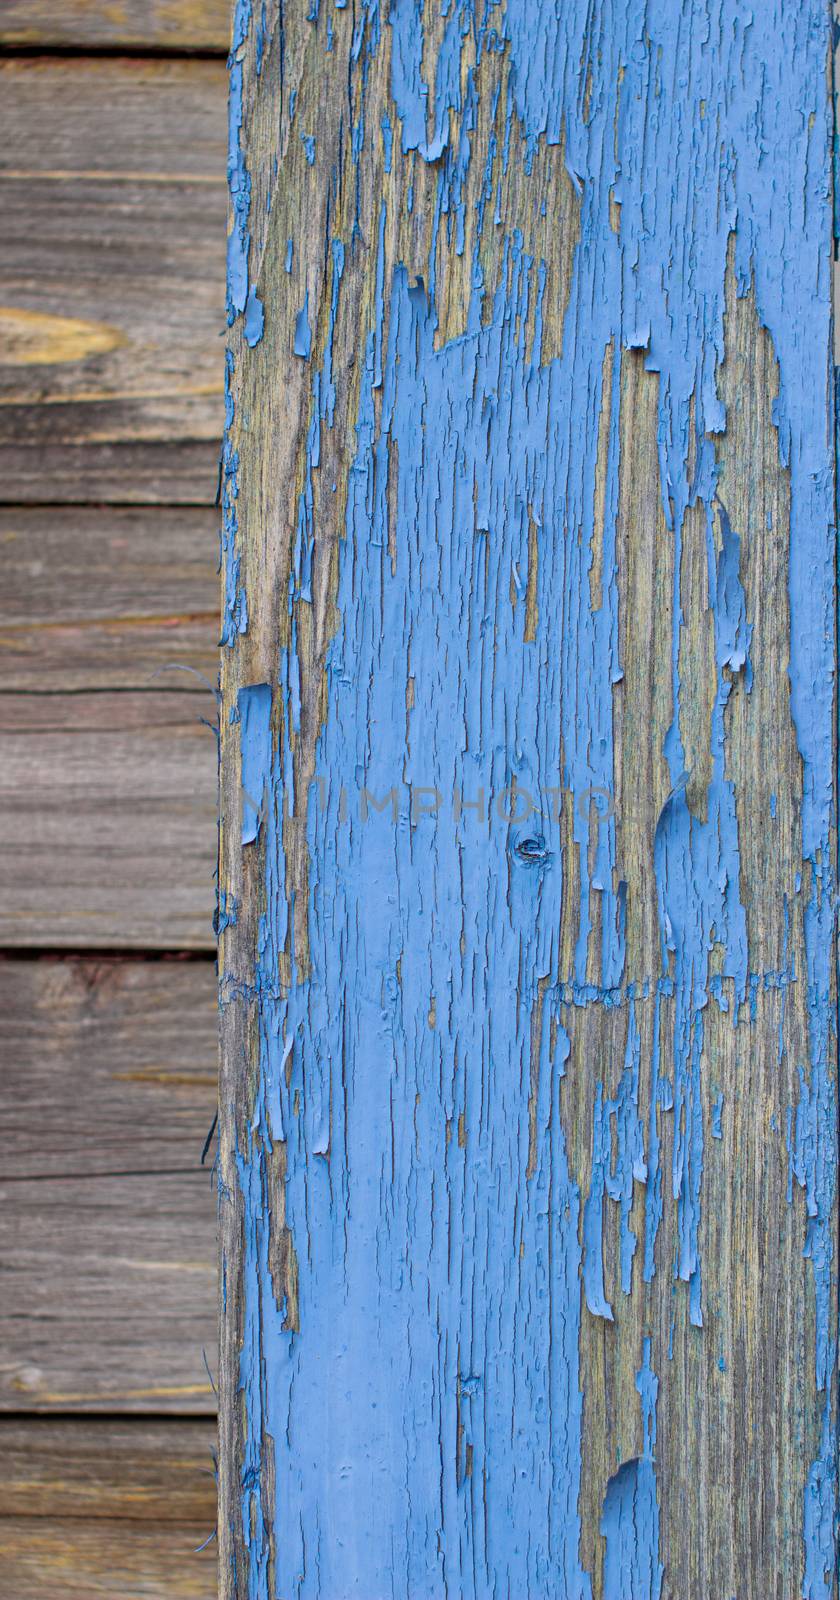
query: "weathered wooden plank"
108, 827
542, 1106
107, 1219
109, 1292
159, 122
110, 313
166, 25
103, 1506
104, 1468
85, 1560
108, 598
109, 1065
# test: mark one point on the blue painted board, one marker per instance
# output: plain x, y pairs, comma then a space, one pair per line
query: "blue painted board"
528, 834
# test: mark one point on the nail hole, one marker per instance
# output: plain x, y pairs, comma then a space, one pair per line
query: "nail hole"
532, 851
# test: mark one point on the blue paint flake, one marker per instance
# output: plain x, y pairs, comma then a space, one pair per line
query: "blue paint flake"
254, 318
303, 332
235, 607
387, 140
630, 1522
254, 707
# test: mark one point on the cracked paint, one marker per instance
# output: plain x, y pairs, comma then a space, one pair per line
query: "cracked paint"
469, 1203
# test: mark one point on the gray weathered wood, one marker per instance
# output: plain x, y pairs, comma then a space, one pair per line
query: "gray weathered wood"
107, 819
107, 1219
111, 280
166, 25
109, 1289
109, 1065
111, 276
105, 597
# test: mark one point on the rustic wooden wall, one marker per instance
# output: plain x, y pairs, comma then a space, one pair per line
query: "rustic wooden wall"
111, 309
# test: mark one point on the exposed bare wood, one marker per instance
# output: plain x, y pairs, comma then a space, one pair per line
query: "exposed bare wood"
105, 1468
107, 835
109, 1292
96, 1560
109, 1065
166, 25
112, 189
106, 598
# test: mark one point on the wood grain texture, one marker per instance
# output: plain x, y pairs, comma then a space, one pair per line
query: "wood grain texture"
109, 1065
103, 1506
542, 1107
105, 1468
86, 1560
106, 1506
110, 304
107, 1223
108, 598
108, 833
165, 25
110, 1289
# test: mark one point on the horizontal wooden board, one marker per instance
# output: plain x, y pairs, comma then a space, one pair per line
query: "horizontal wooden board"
109, 1065
127, 24
97, 1560
138, 1469
107, 1218
108, 825
104, 597
111, 279
109, 1292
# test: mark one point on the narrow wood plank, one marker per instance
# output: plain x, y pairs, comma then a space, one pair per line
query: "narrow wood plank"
529, 805
106, 1213
105, 1468
97, 1560
107, 1218
108, 598
112, 188
167, 25
108, 827
109, 1065
109, 1299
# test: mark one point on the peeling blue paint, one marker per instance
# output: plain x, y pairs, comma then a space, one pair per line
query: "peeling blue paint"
226, 913
630, 1523
821, 1516
260, 39
254, 706
235, 608
254, 318
235, 605
239, 180
303, 332
617, 1130
432, 1225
